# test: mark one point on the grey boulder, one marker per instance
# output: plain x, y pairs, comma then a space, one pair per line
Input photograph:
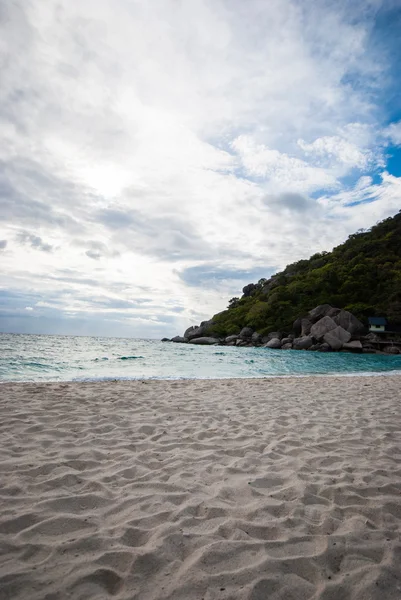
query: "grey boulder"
273, 343
321, 327
337, 337
178, 339
246, 333
319, 312
306, 325
286, 346
348, 321
286, 340
302, 343
196, 332
231, 338
391, 350
256, 338
355, 345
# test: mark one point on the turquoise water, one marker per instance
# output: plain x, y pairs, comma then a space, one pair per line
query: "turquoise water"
62, 358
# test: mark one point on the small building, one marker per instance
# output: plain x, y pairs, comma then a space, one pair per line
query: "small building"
377, 324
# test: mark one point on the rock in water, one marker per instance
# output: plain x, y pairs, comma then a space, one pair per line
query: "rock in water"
355, 345
231, 338
179, 339
273, 343
204, 341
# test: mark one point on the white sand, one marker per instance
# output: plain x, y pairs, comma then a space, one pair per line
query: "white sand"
238, 489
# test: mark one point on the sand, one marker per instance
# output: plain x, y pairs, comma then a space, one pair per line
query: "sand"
233, 489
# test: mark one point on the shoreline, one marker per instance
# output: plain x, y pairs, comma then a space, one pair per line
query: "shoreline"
222, 489
394, 373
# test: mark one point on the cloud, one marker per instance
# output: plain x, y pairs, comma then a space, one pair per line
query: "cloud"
211, 275
36, 242
393, 132
3, 244
169, 153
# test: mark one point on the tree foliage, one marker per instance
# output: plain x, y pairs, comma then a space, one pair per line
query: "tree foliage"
362, 275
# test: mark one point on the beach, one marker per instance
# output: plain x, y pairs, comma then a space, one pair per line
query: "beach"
245, 489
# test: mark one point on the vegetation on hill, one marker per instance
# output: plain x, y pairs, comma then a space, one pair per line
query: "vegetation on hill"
362, 275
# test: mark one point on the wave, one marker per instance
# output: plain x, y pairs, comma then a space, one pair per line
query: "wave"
129, 357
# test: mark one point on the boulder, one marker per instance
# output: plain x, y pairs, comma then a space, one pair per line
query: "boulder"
275, 335
315, 347
321, 327
286, 340
166, 340
324, 348
302, 343
231, 338
349, 322
256, 338
333, 312
337, 337
204, 341
319, 312
306, 325
287, 346
354, 346
246, 333
240, 342
233, 343
297, 326
273, 343
178, 339
391, 350
195, 332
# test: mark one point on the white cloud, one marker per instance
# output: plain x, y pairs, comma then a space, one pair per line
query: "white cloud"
393, 132
141, 139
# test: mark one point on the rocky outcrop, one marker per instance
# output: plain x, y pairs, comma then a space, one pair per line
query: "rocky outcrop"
197, 332
205, 341
323, 329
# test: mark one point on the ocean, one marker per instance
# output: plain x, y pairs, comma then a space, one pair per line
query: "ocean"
69, 358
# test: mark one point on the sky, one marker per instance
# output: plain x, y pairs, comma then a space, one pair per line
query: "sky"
155, 157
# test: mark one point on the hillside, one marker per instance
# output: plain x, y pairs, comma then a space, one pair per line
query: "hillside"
362, 275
